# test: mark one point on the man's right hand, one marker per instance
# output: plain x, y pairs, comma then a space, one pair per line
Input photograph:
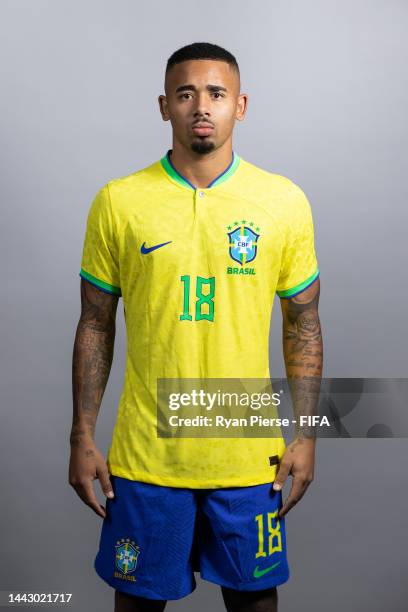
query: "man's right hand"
86, 465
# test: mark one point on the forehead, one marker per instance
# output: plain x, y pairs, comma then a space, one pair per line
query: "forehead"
202, 73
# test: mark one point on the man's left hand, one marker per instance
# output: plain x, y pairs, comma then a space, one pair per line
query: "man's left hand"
298, 460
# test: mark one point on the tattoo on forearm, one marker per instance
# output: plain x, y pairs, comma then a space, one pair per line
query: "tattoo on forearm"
92, 359
303, 354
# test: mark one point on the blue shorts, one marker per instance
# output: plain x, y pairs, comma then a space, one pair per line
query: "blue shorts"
154, 538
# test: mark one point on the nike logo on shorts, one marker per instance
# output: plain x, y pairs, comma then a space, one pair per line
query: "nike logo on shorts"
260, 572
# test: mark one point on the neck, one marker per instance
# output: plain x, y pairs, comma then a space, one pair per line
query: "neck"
198, 169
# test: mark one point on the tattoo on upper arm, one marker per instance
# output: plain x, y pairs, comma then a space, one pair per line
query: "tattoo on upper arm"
301, 330
98, 308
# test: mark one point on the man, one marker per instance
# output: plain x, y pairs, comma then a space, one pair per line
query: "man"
197, 244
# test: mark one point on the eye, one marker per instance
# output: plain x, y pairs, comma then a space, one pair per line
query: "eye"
218, 93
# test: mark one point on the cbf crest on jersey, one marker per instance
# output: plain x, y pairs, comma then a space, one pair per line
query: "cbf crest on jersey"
127, 553
243, 242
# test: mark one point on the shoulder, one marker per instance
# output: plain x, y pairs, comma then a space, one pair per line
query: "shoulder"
272, 188
120, 195
138, 180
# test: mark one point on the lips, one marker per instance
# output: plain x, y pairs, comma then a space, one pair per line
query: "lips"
202, 129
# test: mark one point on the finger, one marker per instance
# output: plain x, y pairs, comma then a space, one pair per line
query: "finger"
105, 483
87, 494
281, 476
296, 493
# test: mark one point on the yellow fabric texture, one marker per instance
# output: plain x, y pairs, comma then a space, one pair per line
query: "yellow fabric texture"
150, 207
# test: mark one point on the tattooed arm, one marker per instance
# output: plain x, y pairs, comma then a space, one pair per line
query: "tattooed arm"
91, 364
303, 355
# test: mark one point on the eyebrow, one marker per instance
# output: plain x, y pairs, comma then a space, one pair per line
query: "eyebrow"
194, 88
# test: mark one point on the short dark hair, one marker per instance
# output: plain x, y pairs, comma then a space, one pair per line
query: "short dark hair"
201, 50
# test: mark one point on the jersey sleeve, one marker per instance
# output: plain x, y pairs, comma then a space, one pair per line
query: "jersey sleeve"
100, 256
299, 267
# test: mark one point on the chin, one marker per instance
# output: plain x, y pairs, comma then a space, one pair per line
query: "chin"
202, 146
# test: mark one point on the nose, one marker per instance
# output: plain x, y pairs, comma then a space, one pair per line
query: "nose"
202, 105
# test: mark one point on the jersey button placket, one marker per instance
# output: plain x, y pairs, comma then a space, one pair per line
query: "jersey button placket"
199, 196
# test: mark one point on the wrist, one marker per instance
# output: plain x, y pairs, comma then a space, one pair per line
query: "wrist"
80, 436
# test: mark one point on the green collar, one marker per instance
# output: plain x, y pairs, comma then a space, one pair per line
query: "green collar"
174, 174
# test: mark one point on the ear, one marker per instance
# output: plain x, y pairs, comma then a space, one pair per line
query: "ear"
242, 106
163, 107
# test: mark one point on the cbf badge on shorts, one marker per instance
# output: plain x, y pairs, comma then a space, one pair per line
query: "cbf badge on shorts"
126, 554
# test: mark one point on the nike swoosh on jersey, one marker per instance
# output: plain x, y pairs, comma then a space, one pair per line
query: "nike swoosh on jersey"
258, 572
144, 249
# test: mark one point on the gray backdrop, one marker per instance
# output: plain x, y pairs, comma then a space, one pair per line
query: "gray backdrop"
327, 108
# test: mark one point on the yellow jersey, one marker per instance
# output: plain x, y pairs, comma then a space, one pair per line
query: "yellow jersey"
197, 269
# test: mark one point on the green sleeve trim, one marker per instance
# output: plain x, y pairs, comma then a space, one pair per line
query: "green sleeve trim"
300, 287
100, 284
